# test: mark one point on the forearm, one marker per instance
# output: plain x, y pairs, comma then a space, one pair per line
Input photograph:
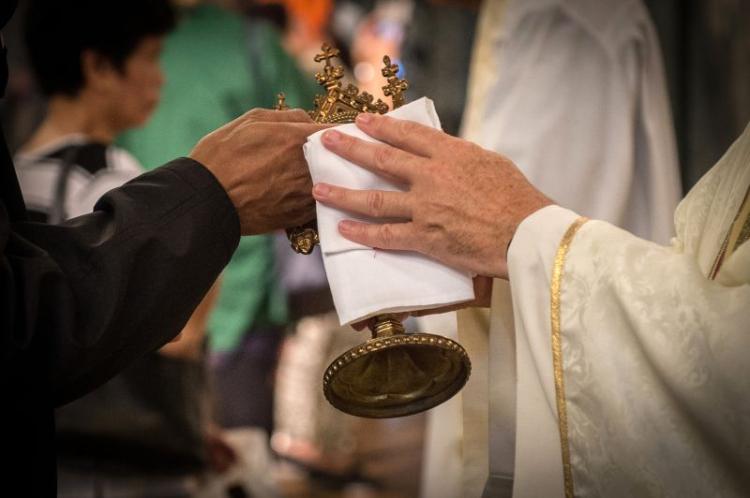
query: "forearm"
123, 280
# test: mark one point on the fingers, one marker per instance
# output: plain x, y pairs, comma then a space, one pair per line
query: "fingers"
406, 135
391, 236
307, 128
259, 115
269, 133
372, 203
382, 160
291, 116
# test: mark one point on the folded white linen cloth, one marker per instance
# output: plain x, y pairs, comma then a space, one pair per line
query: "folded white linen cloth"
366, 282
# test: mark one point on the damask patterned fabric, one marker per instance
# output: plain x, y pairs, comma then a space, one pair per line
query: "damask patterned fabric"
653, 376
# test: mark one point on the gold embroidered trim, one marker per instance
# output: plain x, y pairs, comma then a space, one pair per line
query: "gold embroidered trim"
562, 414
739, 232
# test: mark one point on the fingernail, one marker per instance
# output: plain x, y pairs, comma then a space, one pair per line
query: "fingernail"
346, 226
321, 190
331, 136
364, 118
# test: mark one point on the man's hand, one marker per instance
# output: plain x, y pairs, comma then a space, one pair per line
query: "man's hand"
258, 160
462, 206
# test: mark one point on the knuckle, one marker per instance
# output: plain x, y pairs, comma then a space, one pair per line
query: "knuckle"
383, 158
301, 115
255, 113
375, 202
386, 236
405, 128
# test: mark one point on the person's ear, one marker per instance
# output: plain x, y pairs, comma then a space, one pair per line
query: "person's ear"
99, 74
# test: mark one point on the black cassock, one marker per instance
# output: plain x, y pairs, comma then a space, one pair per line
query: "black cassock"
80, 301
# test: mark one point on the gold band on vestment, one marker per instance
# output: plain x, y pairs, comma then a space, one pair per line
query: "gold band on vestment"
562, 415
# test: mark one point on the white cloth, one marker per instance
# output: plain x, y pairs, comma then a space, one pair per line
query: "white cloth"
653, 352
574, 92
366, 282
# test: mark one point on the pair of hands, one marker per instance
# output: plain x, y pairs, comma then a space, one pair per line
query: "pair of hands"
462, 206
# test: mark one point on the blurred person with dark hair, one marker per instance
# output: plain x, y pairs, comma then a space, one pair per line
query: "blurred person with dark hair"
98, 64
100, 82
246, 325
84, 299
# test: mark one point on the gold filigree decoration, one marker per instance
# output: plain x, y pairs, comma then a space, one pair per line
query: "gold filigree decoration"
281, 102
340, 104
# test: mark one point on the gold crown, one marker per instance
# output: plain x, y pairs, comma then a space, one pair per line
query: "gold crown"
341, 105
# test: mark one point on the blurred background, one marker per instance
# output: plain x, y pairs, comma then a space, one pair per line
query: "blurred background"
256, 351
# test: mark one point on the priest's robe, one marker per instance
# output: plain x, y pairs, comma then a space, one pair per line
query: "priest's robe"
574, 92
631, 357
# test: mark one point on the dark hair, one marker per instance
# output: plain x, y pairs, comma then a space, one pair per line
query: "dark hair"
58, 31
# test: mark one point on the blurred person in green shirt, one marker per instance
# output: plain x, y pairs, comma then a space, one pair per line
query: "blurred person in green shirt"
218, 64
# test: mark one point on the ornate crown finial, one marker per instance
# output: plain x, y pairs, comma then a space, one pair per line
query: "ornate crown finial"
341, 105
396, 87
281, 102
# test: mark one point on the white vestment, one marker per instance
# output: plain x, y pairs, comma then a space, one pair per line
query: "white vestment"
633, 377
574, 92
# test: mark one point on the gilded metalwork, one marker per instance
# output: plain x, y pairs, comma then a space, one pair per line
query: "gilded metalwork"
396, 87
340, 105
394, 373
281, 102
303, 239
557, 362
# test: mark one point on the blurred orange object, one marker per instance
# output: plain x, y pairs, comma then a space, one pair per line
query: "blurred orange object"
313, 15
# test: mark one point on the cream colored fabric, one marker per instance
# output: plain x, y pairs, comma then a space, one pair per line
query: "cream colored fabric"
501, 392
441, 454
654, 353
473, 327
574, 92
484, 70
473, 421
538, 467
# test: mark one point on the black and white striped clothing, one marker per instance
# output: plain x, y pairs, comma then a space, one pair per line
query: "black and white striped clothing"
95, 168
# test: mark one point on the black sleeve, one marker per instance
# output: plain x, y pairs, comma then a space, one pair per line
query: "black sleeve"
84, 299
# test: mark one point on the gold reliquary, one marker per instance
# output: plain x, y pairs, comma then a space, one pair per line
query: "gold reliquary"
393, 373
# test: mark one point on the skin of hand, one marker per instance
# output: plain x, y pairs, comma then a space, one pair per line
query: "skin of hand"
462, 204
258, 160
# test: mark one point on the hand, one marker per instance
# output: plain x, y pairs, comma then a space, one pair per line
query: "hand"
258, 160
462, 206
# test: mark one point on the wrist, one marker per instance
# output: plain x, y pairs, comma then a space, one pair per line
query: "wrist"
534, 206
523, 210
